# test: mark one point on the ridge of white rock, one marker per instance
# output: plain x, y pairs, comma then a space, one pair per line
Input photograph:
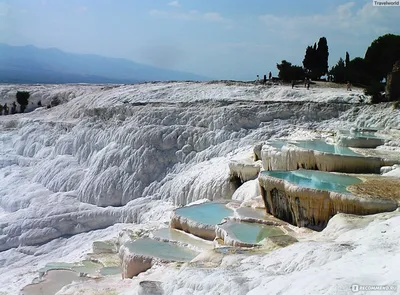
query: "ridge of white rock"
131, 153
204, 231
244, 167
292, 158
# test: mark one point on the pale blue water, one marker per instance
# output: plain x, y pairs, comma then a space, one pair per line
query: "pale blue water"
278, 144
52, 283
322, 146
85, 266
172, 234
316, 179
252, 213
162, 250
207, 213
110, 271
252, 233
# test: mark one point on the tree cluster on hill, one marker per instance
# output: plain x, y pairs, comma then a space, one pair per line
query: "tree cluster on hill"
315, 64
369, 72
22, 98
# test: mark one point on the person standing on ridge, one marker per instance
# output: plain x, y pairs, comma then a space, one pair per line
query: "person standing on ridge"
265, 79
348, 86
307, 83
269, 76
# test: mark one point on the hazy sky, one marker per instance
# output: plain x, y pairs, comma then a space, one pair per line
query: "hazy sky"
223, 39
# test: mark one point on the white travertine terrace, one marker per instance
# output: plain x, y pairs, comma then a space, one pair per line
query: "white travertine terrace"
313, 208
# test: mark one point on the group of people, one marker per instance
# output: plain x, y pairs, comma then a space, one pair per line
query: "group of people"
265, 78
306, 83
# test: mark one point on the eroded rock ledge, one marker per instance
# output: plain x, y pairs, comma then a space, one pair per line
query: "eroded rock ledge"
306, 207
203, 231
292, 158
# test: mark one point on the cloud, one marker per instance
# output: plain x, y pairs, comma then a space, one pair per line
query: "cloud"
345, 19
82, 9
4, 8
243, 46
214, 17
174, 3
192, 15
173, 15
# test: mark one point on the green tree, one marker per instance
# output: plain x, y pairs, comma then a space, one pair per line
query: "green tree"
357, 72
322, 57
289, 72
381, 56
22, 99
347, 59
309, 61
315, 61
339, 71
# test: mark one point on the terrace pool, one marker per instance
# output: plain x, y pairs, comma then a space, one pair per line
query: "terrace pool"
52, 282
177, 235
322, 146
162, 250
206, 213
251, 233
316, 179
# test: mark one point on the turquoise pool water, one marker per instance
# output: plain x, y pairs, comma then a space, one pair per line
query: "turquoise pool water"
278, 144
207, 213
252, 213
322, 146
251, 233
85, 266
110, 271
172, 234
162, 250
316, 179
52, 283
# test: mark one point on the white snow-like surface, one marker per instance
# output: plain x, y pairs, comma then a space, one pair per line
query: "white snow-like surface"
131, 153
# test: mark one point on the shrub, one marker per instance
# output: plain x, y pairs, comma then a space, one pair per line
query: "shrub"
396, 105
288, 72
375, 91
22, 99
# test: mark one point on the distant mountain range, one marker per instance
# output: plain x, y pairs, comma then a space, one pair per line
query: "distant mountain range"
29, 64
